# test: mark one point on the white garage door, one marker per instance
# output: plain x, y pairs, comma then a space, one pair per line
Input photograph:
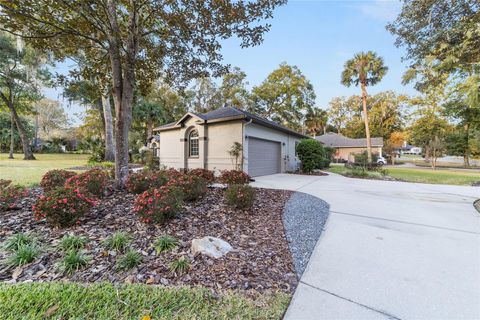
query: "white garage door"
264, 157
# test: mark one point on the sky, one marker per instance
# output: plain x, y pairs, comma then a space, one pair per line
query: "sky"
318, 36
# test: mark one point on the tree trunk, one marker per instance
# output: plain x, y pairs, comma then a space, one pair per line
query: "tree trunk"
149, 129
365, 117
27, 152
466, 152
99, 107
109, 145
12, 137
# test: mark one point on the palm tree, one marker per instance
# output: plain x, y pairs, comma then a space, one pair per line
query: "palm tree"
315, 120
365, 69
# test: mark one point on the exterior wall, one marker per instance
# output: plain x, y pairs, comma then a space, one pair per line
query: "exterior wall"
214, 142
221, 137
348, 153
289, 160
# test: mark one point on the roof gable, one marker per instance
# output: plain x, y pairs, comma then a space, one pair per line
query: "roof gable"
337, 140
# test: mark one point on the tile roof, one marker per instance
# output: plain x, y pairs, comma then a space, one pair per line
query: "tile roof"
337, 140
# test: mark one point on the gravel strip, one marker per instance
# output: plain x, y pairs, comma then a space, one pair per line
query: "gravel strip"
304, 217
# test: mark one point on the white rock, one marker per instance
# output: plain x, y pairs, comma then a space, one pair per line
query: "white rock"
210, 246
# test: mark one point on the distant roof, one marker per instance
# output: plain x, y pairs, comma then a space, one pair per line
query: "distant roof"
337, 140
230, 113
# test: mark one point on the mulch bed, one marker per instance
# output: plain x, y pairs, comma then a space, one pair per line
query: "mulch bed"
261, 259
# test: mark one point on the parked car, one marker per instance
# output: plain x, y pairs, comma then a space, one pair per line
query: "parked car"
381, 160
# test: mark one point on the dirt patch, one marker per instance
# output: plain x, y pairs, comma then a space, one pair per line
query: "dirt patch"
261, 259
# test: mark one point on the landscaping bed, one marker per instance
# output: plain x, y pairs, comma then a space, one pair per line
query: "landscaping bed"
261, 259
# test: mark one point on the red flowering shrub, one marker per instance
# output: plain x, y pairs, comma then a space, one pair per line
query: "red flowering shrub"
55, 178
234, 177
172, 173
62, 207
93, 181
158, 204
10, 195
142, 181
204, 173
192, 187
240, 196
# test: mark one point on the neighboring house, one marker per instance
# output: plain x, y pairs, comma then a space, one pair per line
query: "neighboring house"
346, 148
409, 149
153, 143
204, 141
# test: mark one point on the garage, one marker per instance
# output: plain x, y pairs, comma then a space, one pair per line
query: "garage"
264, 157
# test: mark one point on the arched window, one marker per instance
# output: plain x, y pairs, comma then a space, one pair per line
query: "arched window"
193, 144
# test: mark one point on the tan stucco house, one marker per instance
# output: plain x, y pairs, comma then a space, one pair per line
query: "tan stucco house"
346, 148
204, 141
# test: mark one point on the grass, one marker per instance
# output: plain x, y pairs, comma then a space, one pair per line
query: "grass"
118, 241
24, 254
164, 243
421, 175
56, 300
180, 265
18, 240
72, 242
72, 261
129, 260
28, 173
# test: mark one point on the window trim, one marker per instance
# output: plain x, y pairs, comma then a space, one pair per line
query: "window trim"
190, 139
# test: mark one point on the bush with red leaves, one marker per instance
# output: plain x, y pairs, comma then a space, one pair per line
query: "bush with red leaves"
142, 181
240, 196
93, 181
55, 178
234, 177
192, 187
62, 207
158, 204
204, 173
10, 195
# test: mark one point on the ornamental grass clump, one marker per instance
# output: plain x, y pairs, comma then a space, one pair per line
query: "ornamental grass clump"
93, 181
55, 178
234, 177
240, 196
10, 195
129, 260
142, 181
164, 243
158, 204
13, 243
180, 265
73, 260
24, 254
72, 242
62, 207
118, 241
192, 187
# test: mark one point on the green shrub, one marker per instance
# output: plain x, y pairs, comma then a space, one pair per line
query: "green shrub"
240, 196
313, 155
73, 261
14, 242
10, 195
158, 204
164, 243
180, 265
362, 158
192, 187
142, 181
204, 173
55, 178
234, 177
129, 260
24, 254
72, 242
93, 181
62, 207
358, 173
118, 241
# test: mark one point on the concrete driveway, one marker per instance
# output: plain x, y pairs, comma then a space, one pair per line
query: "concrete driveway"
391, 250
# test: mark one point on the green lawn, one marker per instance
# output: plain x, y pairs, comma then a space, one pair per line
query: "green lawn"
439, 176
30, 172
105, 301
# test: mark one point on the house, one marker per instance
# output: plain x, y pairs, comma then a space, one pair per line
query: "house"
346, 147
409, 149
204, 141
